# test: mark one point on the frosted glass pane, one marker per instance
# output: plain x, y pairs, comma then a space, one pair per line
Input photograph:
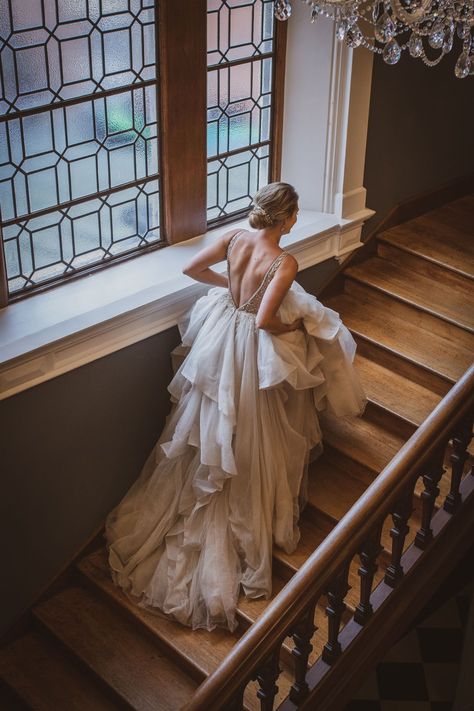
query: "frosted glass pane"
70, 152
237, 29
62, 49
51, 246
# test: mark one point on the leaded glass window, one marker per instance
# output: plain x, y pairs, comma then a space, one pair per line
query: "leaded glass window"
78, 135
240, 42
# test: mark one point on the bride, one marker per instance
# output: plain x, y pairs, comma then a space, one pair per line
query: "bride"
227, 478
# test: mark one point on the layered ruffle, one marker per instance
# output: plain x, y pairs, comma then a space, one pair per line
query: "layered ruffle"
227, 477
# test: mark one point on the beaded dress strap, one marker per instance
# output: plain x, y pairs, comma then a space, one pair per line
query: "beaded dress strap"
231, 242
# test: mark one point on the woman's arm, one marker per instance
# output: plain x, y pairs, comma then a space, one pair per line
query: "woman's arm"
198, 267
275, 292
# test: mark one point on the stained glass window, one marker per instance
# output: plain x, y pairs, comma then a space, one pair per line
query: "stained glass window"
78, 135
240, 41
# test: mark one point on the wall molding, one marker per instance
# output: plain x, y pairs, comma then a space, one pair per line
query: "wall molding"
312, 244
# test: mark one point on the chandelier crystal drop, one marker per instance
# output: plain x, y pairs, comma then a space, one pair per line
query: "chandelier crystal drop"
428, 29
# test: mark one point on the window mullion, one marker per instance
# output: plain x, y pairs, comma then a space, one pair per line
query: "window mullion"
182, 49
278, 95
3, 275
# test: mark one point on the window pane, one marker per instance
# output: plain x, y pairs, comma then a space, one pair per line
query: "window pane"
237, 29
232, 181
59, 49
66, 153
239, 102
78, 135
58, 243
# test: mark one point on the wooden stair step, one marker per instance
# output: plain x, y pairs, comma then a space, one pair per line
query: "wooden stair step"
134, 668
438, 273
312, 535
457, 214
434, 241
199, 650
362, 440
441, 300
333, 489
426, 322
45, 679
395, 393
384, 325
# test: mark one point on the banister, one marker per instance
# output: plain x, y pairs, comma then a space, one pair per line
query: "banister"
254, 647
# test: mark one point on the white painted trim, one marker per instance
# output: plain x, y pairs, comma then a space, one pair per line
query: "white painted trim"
37, 346
327, 95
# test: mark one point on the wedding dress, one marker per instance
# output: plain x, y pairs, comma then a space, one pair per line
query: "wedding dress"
227, 478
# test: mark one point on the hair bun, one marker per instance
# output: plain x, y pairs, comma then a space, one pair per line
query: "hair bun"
261, 213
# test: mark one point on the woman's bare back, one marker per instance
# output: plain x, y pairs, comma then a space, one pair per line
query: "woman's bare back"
248, 262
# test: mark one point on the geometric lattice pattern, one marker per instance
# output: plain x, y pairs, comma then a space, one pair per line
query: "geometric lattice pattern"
57, 49
239, 104
59, 242
232, 180
238, 30
78, 135
63, 154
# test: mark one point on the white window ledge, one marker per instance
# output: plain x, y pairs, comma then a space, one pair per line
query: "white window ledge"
55, 331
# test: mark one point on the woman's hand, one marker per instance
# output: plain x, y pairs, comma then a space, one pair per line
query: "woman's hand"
296, 324
276, 326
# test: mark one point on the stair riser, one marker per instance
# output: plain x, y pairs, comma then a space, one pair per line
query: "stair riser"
353, 282
194, 671
402, 366
411, 314
11, 700
422, 265
385, 355
112, 693
342, 461
391, 421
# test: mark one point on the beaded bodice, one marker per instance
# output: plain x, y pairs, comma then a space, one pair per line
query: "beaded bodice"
252, 305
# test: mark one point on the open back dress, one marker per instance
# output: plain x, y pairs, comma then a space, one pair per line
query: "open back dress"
226, 479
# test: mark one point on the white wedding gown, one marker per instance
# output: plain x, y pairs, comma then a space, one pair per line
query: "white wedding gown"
227, 477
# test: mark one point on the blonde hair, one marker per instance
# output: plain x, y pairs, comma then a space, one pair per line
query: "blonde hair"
272, 204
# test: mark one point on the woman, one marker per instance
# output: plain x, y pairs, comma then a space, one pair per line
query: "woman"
227, 478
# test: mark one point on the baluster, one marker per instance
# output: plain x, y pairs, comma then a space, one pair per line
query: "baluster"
302, 633
434, 472
267, 677
368, 556
336, 592
461, 438
237, 701
400, 515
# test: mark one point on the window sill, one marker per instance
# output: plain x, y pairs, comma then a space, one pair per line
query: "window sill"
61, 329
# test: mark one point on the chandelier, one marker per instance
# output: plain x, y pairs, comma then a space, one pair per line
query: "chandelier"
426, 28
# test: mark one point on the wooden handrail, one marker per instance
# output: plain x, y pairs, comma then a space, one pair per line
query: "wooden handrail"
275, 623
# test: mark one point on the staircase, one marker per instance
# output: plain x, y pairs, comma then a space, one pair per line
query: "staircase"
408, 300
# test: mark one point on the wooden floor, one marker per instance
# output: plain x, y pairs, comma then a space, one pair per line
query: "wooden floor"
410, 309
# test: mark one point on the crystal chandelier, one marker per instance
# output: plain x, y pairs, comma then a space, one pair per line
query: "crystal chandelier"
426, 28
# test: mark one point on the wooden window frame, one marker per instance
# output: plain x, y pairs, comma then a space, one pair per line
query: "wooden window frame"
181, 50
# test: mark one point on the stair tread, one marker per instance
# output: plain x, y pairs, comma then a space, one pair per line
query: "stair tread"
362, 440
335, 491
201, 649
434, 240
455, 305
383, 386
367, 318
109, 644
45, 679
312, 535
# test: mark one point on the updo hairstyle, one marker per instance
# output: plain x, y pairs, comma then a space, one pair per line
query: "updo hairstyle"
272, 204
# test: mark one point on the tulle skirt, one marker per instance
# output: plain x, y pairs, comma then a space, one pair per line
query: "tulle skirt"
227, 478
